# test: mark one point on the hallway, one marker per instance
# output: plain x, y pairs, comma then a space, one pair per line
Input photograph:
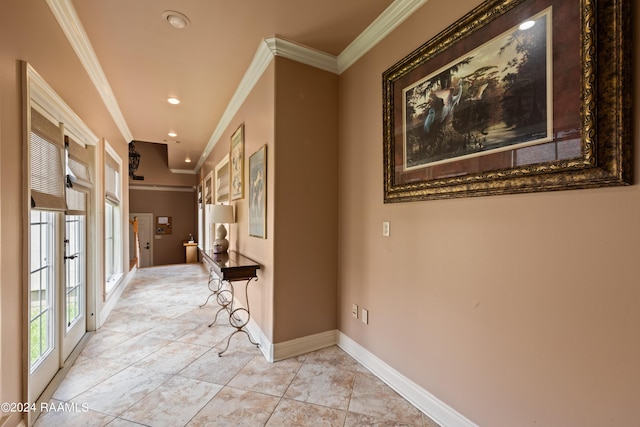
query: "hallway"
155, 363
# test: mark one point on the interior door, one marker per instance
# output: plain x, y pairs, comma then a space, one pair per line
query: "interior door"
145, 236
74, 296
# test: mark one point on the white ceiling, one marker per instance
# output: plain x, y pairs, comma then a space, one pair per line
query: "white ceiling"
136, 60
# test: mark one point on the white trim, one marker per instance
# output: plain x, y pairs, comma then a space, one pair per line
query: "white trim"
72, 27
393, 16
160, 188
114, 154
254, 331
275, 352
259, 64
304, 345
113, 297
183, 171
302, 54
426, 402
436, 409
49, 101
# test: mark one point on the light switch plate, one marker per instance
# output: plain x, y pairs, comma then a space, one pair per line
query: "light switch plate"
386, 232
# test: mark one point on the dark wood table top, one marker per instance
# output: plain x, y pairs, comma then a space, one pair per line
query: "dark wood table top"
232, 265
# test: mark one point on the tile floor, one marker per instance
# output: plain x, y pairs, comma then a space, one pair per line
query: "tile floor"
155, 363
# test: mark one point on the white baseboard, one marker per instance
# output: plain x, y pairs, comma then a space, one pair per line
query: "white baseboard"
112, 299
254, 331
304, 345
426, 402
437, 410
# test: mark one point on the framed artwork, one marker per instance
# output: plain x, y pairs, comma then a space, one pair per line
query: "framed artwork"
258, 193
517, 96
222, 181
237, 163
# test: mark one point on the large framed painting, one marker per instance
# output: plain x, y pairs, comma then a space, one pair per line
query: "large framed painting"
237, 163
258, 193
517, 96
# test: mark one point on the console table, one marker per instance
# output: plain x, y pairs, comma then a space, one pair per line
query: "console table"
230, 267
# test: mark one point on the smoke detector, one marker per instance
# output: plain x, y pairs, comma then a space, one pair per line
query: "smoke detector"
176, 19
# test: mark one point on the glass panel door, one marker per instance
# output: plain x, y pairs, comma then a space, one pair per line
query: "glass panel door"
43, 354
75, 283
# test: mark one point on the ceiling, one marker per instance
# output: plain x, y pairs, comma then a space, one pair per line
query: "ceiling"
137, 60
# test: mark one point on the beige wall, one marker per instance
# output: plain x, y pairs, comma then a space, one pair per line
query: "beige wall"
305, 265
155, 169
180, 206
164, 193
515, 310
257, 115
296, 291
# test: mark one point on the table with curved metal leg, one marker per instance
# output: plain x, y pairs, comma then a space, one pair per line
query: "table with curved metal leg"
231, 267
217, 287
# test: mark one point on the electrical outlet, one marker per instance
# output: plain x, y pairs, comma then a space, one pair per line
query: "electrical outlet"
365, 316
354, 310
386, 232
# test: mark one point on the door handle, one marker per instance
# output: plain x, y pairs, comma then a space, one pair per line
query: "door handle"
70, 257
147, 247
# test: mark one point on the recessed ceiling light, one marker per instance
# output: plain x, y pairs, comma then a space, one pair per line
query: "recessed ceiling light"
176, 19
187, 160
172, 134
173, 100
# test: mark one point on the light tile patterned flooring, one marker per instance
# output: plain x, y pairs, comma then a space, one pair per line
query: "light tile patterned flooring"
155, 363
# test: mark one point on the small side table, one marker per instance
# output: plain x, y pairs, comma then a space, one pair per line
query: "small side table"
192, 252
231, 267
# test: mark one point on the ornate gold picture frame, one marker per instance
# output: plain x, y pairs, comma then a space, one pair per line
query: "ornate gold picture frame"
516, 96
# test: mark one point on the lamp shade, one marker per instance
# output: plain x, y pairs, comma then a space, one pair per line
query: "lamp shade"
222, 214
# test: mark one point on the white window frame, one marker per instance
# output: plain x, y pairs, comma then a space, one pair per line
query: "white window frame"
113, 259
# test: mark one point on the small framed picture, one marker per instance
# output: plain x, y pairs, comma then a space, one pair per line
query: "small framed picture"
237, 163
258, 193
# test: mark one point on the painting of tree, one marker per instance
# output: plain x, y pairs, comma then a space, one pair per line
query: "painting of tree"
496, 97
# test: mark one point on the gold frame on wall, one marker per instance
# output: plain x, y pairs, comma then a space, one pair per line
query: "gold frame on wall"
588, 143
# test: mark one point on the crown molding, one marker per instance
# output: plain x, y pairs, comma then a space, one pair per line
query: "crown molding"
183, 171
162, 188
259, 64
393, 16
302, 54
68, 20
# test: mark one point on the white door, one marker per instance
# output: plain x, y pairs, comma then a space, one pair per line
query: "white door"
145, 236
44, 276
74, 296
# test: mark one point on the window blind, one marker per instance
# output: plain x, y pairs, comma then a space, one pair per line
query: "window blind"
78, 162
47, 166
76, 202
112, 179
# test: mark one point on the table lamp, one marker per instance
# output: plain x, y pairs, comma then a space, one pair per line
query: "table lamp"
221, 214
